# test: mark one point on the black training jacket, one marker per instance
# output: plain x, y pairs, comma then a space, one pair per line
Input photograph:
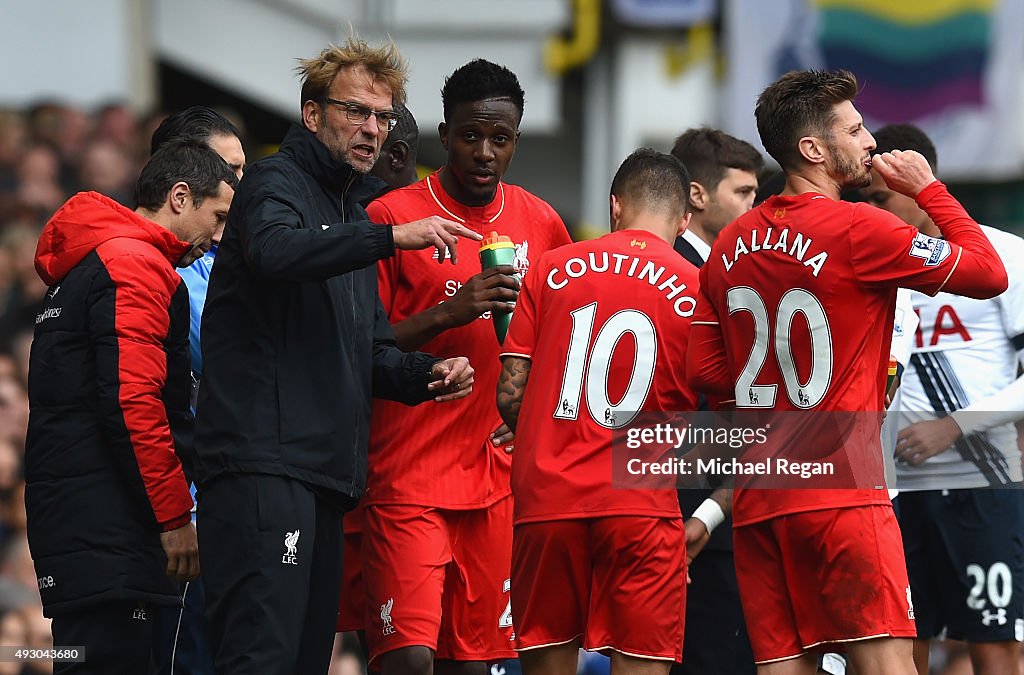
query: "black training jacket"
295, 341
109, 384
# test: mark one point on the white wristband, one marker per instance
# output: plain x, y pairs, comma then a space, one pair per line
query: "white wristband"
709, 513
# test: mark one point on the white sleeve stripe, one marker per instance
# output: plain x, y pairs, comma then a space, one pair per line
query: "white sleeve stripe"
955, 263
704, 323
515, 354
1002, 407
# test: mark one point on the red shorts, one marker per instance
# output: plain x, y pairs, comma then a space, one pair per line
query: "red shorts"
619, 582
439, 578
352, 603
808, 580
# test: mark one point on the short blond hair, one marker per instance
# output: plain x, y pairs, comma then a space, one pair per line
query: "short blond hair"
384, 63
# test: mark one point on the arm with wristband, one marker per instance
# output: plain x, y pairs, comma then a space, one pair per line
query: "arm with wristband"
711, 513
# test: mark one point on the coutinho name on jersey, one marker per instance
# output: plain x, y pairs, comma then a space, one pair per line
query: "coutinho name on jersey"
603, 262
796, 246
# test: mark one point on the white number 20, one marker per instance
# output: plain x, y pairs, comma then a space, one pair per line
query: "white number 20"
590, 365
505, 620
997, 584
801, 394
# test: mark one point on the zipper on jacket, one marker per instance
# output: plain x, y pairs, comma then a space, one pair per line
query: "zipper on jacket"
344, 193
353, 305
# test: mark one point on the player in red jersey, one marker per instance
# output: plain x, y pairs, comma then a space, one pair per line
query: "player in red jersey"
438, 533
396, 166
823, 566
600, 333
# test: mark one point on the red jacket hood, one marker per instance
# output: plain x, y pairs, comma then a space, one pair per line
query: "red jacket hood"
89, 219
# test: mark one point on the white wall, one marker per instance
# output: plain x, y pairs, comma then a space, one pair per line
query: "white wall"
90, 51
633, 99
85, 53
250, 47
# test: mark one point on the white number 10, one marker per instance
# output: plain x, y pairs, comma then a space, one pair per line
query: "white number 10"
593, 364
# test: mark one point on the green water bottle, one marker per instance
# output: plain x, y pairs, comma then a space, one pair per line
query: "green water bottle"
497, 249
894, 368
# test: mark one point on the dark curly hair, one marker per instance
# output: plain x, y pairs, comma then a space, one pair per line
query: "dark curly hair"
906, 137
198, 122
798, 104
182, 160
653, 180
479, 80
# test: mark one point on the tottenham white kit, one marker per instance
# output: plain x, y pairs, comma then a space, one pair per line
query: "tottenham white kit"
964, 360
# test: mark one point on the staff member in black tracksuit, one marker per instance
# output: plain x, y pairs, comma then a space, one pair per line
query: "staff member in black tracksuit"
107, 503
295, 343
184, 645
723, 171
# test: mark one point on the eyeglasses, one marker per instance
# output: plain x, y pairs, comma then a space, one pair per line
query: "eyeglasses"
359, 113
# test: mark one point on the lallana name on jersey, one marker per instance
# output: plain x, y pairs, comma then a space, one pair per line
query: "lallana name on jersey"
797, 248
629, 266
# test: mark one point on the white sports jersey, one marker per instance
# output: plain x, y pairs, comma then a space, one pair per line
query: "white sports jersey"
965, 357
904, 327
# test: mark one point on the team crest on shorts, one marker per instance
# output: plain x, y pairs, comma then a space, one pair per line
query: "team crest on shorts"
385, 616
291, 542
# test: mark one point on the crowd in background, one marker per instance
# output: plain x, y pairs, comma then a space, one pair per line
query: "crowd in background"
47, 153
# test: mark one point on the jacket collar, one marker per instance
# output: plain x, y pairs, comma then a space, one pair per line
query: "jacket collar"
89, 219
302, 145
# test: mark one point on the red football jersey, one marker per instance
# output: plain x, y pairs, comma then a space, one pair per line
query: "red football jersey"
796, 311
434, 454
605, 324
